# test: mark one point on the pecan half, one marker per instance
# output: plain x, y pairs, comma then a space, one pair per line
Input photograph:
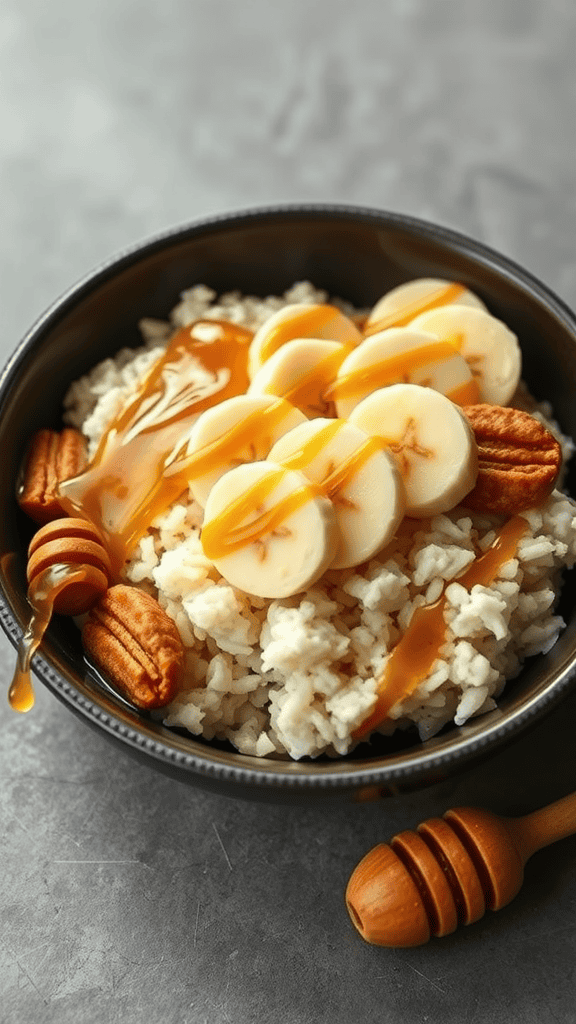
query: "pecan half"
518, 460
136, 645
51, 457
68, 562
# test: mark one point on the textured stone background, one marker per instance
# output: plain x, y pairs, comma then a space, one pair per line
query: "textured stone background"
122, 895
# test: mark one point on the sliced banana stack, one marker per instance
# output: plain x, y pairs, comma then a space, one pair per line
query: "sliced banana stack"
488, 346
431, 441
268, 530
241, 429
359, 477
300, 320
402, 354
400, 305
301, 371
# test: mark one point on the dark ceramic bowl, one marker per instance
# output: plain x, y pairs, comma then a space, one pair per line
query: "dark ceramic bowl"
357, 254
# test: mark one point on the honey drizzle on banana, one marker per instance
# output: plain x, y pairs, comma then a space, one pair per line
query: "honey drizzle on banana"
228, 532
401, 317
337, 479
308, 322
258, 424
412, 660
400, 364
309, 392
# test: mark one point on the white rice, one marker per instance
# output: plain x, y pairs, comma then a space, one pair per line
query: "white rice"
297, 676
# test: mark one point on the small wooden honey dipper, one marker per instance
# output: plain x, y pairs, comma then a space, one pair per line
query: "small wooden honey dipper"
68, 570
449, 871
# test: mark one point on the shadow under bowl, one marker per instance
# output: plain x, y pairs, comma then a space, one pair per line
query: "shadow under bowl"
354, 253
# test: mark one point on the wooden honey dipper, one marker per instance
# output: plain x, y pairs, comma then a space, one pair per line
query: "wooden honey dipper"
67, 560
68, 570
449, 871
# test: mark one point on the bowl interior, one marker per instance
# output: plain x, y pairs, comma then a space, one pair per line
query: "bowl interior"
357, 255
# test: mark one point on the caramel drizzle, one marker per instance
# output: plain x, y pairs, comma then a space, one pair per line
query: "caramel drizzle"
311, 448
308, 393
257, 424
413, 658
308, 321
401, 317
125, 486
397, 367
467, 393
223, 536
337, 479
42, 594
228, 532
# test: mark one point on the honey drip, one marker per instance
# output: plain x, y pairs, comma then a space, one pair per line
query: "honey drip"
42, 594
412, 660
401, 317
125, 486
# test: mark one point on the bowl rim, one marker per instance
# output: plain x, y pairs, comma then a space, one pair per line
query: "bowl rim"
168, 750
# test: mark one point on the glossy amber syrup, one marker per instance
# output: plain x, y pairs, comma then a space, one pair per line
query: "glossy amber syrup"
412, 660
401, 317
126, 486
337, 480
256, 425
309, 393
42, 593
465, 394
313, 446
396, 368
345, 471
305, 324
229, 532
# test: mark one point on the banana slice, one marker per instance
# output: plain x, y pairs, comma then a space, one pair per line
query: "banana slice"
431, 441
398, 307
488, 346
402, 354
268, 530
301, 371
300, 320
241, 429
359, 477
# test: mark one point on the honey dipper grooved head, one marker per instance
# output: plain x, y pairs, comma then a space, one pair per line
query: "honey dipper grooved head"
499, 862
384, 902
77, 545
427, 882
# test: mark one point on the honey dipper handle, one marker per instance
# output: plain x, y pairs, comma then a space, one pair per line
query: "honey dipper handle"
547, 825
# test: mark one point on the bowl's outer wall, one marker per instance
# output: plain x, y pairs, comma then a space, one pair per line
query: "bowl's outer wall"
357, 256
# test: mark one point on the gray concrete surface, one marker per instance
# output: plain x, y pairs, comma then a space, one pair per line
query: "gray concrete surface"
124, 896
